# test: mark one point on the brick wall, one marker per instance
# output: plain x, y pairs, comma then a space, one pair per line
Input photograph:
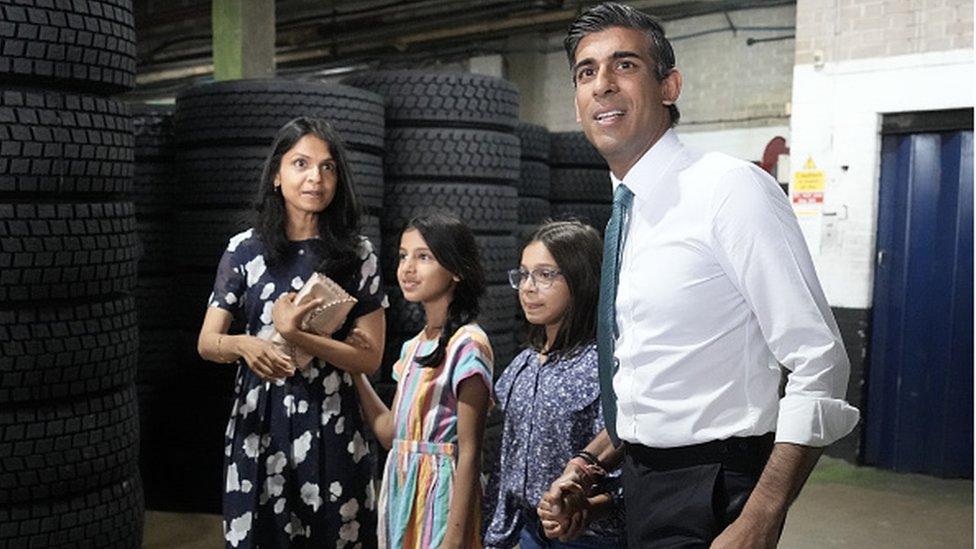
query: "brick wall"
841, 30
728, 83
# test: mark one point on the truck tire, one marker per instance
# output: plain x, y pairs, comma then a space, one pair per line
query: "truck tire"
443, 99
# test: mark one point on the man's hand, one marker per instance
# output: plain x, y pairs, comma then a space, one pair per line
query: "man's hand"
760, 522
564, 510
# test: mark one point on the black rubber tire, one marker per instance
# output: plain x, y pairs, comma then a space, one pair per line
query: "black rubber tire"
443, 99
53, 251
403, 319
66, 350
230, 176
497, 306
55, 143
524, 232
503, 345
533, 211
535, 141
594, 215
572, 149
153, 128
498, 255
158, 358
72, 446
370, 228
534, 180
492, 442
87, 45
154, 188
108, 518
367, 178
154, 301
580, 185
489, 209
391, 353
156, 245
202, 236
454, 154
252, 111
215, 176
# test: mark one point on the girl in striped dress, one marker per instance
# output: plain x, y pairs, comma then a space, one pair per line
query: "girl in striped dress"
431, 493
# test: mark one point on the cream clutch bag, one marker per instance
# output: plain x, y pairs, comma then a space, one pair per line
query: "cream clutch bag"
323, 320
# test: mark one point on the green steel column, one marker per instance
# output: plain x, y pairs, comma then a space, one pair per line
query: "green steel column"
243, 39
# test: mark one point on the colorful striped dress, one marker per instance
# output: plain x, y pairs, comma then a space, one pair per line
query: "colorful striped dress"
418, 479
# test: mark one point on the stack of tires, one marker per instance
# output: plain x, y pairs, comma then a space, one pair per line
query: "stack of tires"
450, 147
224, 132
580, 181
533, 188
69, 427
158, 378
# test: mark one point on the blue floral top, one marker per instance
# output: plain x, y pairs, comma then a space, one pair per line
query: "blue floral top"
552, 411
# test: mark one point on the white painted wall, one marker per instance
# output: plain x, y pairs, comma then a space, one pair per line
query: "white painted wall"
836, 120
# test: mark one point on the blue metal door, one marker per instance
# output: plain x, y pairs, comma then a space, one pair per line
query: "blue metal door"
920, 380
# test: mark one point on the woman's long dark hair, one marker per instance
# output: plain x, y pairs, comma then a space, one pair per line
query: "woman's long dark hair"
455, 248
578, 252
338, 224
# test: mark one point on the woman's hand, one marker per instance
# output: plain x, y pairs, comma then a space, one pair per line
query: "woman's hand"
287, 315
264, 359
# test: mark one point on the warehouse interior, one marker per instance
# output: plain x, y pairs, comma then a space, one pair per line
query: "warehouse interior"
861, 110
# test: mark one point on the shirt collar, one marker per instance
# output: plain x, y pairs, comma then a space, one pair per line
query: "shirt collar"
651, 167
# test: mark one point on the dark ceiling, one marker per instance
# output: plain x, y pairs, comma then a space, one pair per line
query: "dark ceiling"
316, 37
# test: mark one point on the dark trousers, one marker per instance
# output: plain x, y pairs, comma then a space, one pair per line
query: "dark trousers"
684, 497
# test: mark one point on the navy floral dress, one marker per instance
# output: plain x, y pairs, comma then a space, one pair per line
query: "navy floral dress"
552, 411
298, 469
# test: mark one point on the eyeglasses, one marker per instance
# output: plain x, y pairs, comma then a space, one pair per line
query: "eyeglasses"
541, 278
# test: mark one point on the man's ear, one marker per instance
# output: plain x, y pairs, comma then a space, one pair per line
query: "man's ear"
579, 119
671, 87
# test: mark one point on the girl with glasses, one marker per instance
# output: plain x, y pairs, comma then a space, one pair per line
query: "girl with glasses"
550, 393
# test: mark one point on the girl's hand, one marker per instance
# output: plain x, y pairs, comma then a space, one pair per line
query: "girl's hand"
287, 316
359, 339
264, 359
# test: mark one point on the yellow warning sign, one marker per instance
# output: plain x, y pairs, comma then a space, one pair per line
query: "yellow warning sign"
808, 184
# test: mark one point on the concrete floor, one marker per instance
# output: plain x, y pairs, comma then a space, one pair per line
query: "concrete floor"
841, 506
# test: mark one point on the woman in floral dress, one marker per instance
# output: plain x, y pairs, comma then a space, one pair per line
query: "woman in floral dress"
297, 465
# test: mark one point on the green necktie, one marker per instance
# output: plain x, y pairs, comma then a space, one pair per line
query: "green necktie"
606, 326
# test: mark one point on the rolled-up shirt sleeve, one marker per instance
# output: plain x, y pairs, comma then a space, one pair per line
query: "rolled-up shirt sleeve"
759, 244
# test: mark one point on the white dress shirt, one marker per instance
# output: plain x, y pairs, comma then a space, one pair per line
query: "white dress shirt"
717, 289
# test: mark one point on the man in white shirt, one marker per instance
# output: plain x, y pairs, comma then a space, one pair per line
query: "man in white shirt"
716, 290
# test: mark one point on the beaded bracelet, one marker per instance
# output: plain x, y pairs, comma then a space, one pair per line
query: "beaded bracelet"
589, 473
588, 457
